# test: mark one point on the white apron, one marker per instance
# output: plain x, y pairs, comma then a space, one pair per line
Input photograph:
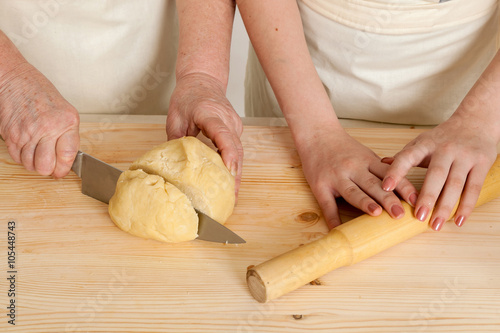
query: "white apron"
104, 56
384, 61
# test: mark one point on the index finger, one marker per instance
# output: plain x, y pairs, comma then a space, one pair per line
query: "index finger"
400, 166
228, 143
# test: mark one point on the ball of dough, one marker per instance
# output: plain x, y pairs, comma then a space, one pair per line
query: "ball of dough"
195, 169
147, 206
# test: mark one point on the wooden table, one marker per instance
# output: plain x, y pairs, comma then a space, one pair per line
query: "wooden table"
76, 272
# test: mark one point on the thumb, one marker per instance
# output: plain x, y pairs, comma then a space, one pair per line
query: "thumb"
328, 205
66, 150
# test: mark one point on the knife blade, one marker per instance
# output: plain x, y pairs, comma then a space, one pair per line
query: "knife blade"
98, 178
99, 182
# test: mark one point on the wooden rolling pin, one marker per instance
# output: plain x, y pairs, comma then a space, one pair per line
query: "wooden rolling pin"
345, 245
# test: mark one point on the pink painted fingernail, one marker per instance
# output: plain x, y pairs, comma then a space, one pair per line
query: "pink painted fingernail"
437, 224
459, 220
372, 208
413, 199
387, 160
397, 211
388, 184
422, 213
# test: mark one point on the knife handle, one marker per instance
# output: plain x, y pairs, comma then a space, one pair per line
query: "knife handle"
345, 245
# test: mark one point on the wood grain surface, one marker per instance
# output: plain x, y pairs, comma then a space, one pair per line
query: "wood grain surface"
77, 272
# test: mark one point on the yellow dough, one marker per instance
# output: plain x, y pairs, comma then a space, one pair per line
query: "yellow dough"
197, 170
157, 197
146, 206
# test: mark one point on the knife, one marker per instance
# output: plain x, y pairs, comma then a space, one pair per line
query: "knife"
99, 182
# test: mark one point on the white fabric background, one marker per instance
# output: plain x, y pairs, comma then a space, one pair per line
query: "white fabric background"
104, 56
411, 78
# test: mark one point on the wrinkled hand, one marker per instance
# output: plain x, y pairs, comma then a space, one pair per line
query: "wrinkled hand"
38, 125
458, 154
336, 165
199, 103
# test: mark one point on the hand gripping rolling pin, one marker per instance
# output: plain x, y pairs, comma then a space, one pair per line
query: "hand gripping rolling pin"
345, 245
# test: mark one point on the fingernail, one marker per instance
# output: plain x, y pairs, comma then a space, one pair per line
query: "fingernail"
397, 211
422, 213
437, 224
387, 160
413, 199
459, 220
332, 223
388, 184
234, 169
372, 208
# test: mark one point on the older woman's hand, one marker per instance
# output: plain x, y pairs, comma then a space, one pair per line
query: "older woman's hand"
38, 125
199, 103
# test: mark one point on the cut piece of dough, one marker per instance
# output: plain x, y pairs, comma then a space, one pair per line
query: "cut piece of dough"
147, 206
195, 169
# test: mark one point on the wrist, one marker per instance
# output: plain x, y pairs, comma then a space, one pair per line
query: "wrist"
482, 117
309, 132
201, 78
10, 55
480, 109
12, 66
11, 83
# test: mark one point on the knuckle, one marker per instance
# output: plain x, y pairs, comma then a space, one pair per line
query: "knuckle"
14, 138
71, 118
404, 154
238, 125
455, 182
484, 159
365, 202
44, 169
175, 128
440, 171
42, 125
350, 191
320, 185
210, 120
465, 208
405, 187
221, 134
448, 147
66, 156
399, 167
372, 182
428, 199
426, 142
445, 209
474, 189
230, 155
205, 105
326, 204
60, 172
389, 198
348, 164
